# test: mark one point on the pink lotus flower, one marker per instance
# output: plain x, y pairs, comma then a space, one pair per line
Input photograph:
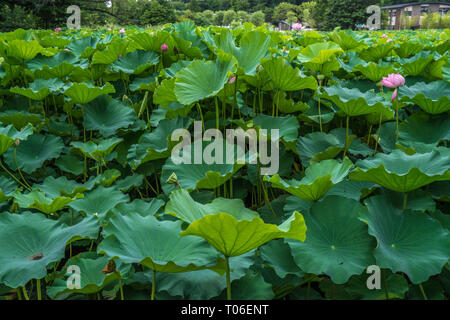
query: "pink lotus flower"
389, 40
394, 80
384, 36
297, 26
122, 31
109, 29
58, 29
394, 95
232, 79
164, 47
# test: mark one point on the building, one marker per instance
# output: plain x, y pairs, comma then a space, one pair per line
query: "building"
415, 10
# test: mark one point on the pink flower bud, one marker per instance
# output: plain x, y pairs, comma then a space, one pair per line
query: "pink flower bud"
122, 31
58, 29
164, 47
394, 80
232, 79
384, 36
394, 95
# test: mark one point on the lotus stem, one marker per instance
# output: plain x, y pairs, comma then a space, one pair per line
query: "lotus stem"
217, 113
368, 138
405, 200
386, 292
308, 289
153, 286
38, 288
320, 118
397, 119
19, 294
379, 134
12, 176
423, 292
201, 115
227, 264
120, 286
25, 294
18, 169
346, 138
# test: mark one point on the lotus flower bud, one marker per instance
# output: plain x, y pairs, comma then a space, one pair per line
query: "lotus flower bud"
122, 31
173, 179
164, 47
232, 79
394, 80
17, 142
58, 29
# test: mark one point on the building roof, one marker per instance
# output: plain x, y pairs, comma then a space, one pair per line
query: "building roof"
403, 5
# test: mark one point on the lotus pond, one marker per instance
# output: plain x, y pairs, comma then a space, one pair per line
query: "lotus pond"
92, 205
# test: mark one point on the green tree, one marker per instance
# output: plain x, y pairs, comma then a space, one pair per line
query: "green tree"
346, 13
281, 11
228, 17
15, 18
158, 13
242, 16
218, 18
257, 18
318, 13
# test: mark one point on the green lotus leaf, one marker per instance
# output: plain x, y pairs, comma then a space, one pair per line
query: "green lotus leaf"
189, 42
70, 164
431, 97
84, 93
408, 49
232, 237
99, 201
410, 242
93, 278
433, 289
317, 146
24, 50
254, 46
61, 186
182, 206
84, 48
174, 68
152, 42
415, 65
319, 53
288, 127
39, 89
8, 136
147, 83
401, 172
277, 254
157, 144
135, 62
114, 50
40, 201
155, 244
139, 206
284, 77
7, 188
337, 249
58, 66
252, 287
165, 93
352, 189
202, 79
97, 151
38, 241
347, 40
318, 180
353, 102
107, 115
424, 128
374, 71
20, 119
33, 152
377, 52
134, 181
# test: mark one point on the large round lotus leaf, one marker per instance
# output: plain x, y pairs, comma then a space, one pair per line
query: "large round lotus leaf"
20, 119
135, 62
85, 47
284, 77
287, 126
202, 79
319, 53
70, 164
423, 128
408, 48
432, 97
99, 201
38, 241
157, 144
401, 172
165, 93
33, 152
415, 65
148, 83
347, 40
410, 241
203, 176
337, 242
377, 52
107, 115
86, 92
58, 66
23, 50
251, 287
97, 151
277, 255
155, 244
182, 206
353, 102
317, 146
232, 237
8, 136
319, 178
352, 189
254, 46
7, 188
93, 275
115, 49
40, 201
142, 207
61, 186
374, 71
39, 89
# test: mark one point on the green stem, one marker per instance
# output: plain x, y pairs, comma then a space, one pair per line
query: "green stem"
405, 200
18, 169
320, 117
201, 115
19, 294
25, 294
386, 292
397, 120
379, 135
217, 112
38, 288
12, 176
346, 138
121, 287
423, 292
154, 285
227, 262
